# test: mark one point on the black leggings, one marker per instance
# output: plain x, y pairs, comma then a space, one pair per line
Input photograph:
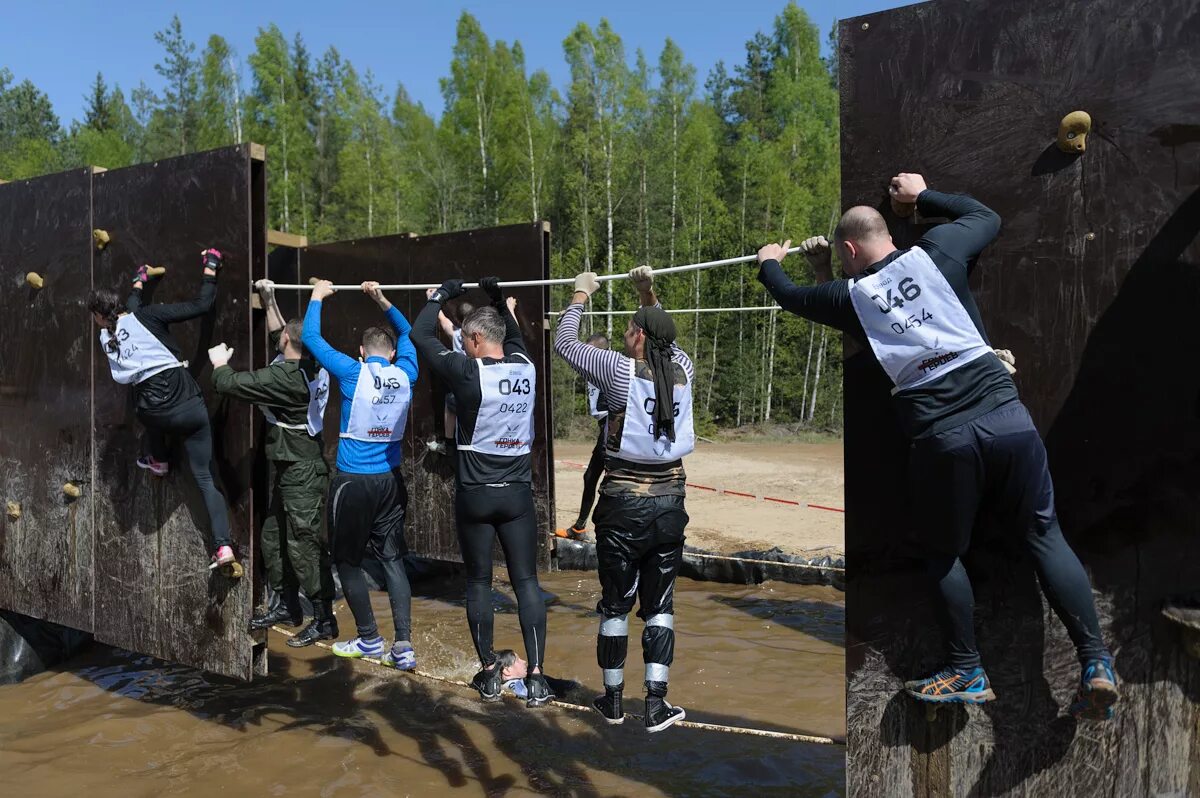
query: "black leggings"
997, 463
190, 420
591, 478
483, 513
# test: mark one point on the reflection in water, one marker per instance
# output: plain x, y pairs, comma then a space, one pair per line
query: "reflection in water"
767, 656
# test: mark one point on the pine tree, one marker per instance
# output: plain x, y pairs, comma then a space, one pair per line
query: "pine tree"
178, 103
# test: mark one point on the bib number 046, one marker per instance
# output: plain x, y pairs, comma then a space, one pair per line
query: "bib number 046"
908, 291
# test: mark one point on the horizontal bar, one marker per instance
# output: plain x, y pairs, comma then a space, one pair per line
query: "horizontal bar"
691, 267
675, 310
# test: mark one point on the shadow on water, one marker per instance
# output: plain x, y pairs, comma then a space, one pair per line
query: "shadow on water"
559, 752
824, 620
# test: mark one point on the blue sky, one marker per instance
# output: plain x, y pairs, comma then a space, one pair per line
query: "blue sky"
61, 45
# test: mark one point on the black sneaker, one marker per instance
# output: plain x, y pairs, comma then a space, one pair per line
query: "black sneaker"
660, 714
609, 705
323, 626
488, 683
538, 690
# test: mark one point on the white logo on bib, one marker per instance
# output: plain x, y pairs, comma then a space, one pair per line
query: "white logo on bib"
379, 408
138, 355
593, 400
504, 424
915, 323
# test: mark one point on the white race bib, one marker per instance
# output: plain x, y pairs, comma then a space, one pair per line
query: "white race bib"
593, 399
318, 398
504, 425
917, 327
638, 441
138, 355
379, 407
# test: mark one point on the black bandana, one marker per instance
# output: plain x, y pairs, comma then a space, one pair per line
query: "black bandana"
660, 335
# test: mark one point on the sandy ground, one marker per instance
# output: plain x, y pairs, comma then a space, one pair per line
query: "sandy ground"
806, 472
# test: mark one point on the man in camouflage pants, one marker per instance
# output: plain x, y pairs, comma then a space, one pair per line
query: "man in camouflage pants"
292, 393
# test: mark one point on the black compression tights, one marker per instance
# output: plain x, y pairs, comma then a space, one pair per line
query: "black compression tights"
509, 513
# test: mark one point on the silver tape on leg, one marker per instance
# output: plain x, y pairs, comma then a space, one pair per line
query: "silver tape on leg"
657, 673
615, 627
664, 620
614, 677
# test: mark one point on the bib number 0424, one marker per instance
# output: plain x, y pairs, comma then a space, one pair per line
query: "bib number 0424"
908, 291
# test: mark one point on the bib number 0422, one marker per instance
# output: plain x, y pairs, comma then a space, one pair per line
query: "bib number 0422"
908, 291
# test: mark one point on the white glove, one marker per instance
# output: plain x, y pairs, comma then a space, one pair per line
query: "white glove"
587, 283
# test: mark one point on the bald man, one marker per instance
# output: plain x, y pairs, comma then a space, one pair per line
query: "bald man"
972, 438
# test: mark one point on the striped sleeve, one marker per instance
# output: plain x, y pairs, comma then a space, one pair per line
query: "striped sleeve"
604, 368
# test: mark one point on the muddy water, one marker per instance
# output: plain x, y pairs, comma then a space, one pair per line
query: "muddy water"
767, 656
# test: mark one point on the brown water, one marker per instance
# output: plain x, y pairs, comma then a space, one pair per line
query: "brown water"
111, 723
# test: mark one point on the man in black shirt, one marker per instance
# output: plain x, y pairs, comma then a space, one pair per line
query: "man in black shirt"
494, 385
971, 436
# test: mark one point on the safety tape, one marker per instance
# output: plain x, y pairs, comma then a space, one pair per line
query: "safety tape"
794, 737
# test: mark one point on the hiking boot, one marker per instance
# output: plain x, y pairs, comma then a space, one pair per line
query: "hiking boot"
952, 686
609, 705
538, 690
323, 626
155, 467
1097, 691
488, 683
357, 648
284, 608
401, 657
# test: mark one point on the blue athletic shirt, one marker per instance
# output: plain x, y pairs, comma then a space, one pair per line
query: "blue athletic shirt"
355, 456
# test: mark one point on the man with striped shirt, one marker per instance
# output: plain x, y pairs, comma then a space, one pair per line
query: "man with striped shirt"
640, 517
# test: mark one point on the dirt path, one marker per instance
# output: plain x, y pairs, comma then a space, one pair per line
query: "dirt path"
806, 472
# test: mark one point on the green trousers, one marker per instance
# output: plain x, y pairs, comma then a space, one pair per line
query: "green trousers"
294, 548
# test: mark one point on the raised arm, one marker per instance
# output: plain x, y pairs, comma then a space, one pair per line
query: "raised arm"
598, 366
972, 224
514, 341
446, 363
183, 311
339, 365
827, 303
266, 291
406, 355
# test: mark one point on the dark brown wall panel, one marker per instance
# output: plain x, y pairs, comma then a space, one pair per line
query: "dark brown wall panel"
154, 592
516, 252
1093, 284
45, 398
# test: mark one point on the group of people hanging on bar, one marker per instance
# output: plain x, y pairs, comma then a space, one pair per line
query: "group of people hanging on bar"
974, 447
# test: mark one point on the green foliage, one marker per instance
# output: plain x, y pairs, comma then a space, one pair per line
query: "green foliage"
631, 160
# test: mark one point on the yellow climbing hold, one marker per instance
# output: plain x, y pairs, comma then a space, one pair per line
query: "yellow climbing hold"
101, 238
13, 510
1073, 131
156, 271
71, 490
34, 280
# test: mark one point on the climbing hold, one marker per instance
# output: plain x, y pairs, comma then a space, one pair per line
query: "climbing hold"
866, 25
71, 490
903, 209
34, 280
13, 510
1073, 131
1090, 237
156, 271
101, 238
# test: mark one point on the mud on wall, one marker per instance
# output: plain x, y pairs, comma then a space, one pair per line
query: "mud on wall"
1093, 285
127, 559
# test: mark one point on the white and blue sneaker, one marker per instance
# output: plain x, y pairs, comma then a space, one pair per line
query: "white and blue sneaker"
401, 657
358, 648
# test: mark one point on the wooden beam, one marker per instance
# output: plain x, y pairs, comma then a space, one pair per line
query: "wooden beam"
97, 170
278, 238
258, 152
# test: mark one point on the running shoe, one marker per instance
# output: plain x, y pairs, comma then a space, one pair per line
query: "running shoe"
1097, 691
224, 556
488, 683
402, 658
952, 686
155, 467
538, 690
358, 648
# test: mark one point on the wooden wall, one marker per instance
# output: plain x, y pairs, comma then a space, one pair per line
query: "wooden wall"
128, 560
1093, 284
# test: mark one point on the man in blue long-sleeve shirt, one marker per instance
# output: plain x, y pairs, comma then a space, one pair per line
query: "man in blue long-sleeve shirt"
971, 436
367, 496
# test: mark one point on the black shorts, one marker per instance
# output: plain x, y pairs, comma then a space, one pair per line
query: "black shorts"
366, 517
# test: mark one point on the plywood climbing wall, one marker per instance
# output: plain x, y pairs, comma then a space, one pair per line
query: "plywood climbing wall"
1093, 284
128, 559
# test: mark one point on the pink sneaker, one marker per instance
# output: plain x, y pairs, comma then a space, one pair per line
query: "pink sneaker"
224, 556
155, 467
